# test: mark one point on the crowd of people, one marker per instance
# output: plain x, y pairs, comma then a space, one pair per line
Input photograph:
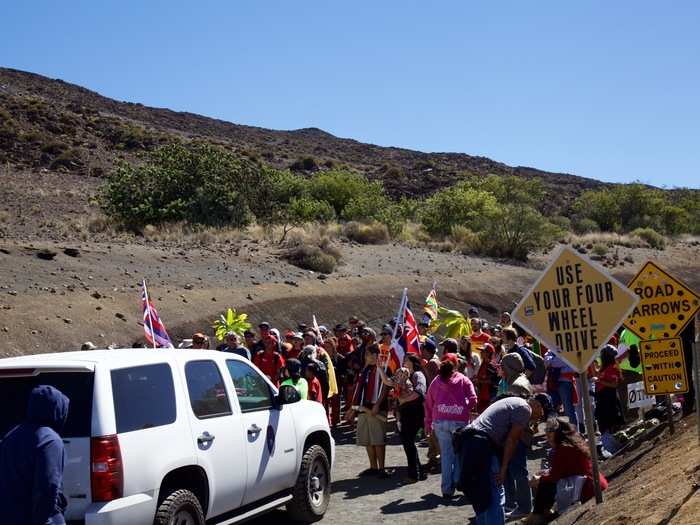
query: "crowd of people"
475, 402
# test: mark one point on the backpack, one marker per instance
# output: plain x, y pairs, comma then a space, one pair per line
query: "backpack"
538, 375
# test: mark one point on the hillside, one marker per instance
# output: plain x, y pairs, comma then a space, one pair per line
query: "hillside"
56, 126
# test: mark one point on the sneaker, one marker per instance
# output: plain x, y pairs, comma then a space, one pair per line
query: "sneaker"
369, 472
383, 474
515, 514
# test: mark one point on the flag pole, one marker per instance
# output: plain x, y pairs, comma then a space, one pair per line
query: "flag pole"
150, 322
394, 336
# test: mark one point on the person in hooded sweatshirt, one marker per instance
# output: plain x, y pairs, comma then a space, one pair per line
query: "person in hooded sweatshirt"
31, 463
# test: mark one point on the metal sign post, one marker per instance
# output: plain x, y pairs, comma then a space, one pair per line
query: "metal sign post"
696, 367
590, 431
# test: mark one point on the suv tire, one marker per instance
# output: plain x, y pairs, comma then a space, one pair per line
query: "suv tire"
312, 491
181, 506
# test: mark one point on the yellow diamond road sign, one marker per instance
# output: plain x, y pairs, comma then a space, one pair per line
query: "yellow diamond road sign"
574, 308
666, 305
663, 364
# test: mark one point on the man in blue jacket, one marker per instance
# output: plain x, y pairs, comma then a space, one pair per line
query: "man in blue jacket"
31, 463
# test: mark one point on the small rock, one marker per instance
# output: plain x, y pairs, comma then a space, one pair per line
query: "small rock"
96, 295
291, 283
72, 252
121, 316
322, 277
12, 292
46, 255
629, 259
189, 286
249, 297
5, 329
5, 251
34, 332
98, 308
67, 321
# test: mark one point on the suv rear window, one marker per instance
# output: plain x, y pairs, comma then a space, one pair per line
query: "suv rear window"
144, 397
77, 386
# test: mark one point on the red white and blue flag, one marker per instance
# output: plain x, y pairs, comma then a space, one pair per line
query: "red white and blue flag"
408, 341
156, 334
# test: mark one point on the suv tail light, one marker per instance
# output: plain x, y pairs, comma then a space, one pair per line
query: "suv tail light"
107, 471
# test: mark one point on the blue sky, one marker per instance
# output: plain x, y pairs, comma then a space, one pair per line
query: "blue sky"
602, 89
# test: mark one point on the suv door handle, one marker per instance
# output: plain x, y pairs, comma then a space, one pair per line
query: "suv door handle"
254, 429
206, 437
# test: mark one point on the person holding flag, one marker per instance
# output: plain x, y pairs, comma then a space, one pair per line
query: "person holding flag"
153, 327
430, 308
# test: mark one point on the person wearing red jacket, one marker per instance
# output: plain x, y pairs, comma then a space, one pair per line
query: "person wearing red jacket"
569, 457
270, 361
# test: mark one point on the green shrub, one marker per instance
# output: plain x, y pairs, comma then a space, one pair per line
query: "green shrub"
339, 187
466, 241
459, 205
372, 233
585, 225
651, 237
561, 222
600, 249
201, 184
304, 164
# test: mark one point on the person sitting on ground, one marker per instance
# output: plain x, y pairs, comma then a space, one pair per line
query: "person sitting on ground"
32, 458
270, 361
409, 380
292, 373
510, 338
448, 406
369, 401
569, 457
514, 381
232, 345
200, 341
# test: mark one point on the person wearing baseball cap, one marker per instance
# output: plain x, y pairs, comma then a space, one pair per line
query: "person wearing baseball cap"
200, 341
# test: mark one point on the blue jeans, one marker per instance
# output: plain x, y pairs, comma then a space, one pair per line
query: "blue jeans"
566, 392
451, 467
516, 485
494, 515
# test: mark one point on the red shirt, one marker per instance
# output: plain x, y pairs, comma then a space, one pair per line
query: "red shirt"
345, 345
270, 364
482, 338
609, 375
315, 392
570, 461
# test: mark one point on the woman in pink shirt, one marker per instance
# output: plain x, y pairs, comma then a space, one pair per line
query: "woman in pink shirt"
448, 405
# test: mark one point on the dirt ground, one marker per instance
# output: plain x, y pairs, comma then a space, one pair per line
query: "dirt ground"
55, 305
361, 500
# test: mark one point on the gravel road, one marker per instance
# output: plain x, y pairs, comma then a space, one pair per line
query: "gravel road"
363, 500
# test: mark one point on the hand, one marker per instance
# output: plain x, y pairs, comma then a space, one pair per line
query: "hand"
501, 476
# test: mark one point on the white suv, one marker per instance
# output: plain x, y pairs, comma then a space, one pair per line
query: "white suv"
177, 436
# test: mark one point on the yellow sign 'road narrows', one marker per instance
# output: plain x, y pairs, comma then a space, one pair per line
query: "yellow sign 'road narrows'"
666, 305
663, 364
574, 308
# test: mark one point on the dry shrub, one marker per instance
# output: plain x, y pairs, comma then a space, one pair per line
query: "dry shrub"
319, 256
414, 235
465, 240
372, 233
600, 249
651, 237
184, 233
606, 238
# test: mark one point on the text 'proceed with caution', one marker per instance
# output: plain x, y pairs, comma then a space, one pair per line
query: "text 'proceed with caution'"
574, 308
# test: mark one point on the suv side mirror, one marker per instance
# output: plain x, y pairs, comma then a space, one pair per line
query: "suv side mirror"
287, 394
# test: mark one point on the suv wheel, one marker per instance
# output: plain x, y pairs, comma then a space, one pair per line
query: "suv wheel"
312, 491
181, 507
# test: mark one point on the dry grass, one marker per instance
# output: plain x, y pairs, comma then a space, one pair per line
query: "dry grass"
183, 233
4, 216
606, 239
311, 251
373, 233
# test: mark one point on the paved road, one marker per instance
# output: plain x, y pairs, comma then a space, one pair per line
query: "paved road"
360, 500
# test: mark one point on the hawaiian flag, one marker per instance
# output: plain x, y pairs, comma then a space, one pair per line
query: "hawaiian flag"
407, 342
154, 328
430, 308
